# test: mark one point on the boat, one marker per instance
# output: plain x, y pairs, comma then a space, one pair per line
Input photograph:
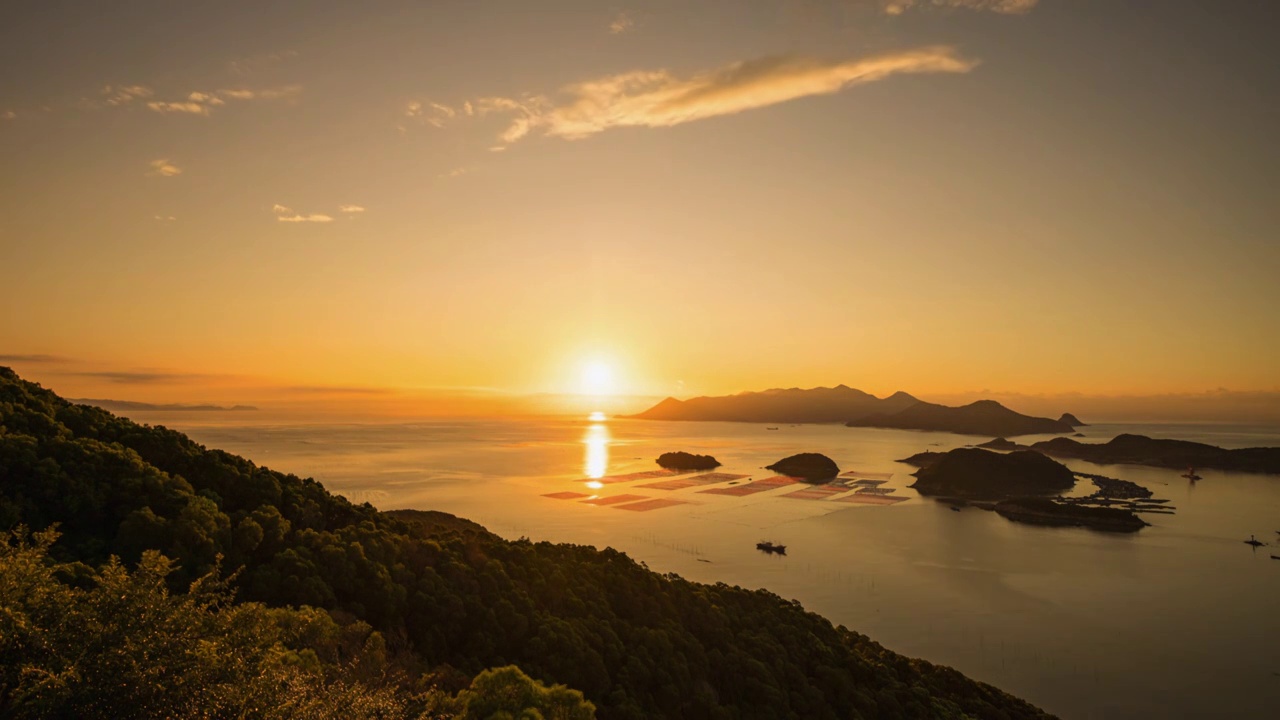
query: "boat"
1191, 475
1275, 557
769, 428
766, 546
956, 509
1254, 542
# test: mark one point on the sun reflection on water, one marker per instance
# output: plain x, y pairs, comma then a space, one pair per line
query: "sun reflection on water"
596, 461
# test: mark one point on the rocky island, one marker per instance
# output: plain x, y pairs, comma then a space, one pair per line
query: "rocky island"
981, 474
1153, 452
810, 467
687, 461
1049, 512
1001, 444
1071, 420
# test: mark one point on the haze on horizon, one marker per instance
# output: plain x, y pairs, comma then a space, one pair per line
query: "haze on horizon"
444, 202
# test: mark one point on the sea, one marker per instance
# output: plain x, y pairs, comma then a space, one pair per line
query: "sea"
1178, 620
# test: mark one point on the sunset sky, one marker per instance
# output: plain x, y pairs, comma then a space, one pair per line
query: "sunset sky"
238, 200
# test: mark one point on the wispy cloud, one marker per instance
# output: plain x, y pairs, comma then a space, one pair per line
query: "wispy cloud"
622, 23
287, 214
137, 378
455, 172
164, 168
165, 218
350, 209
8, 115
338, 390
189, 107
432, 113
203, 103
124, 94
659, 98
1006, 7
33, 358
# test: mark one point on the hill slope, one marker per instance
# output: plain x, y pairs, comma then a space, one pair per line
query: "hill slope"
793, 405
984, 417
443, 590
1157, 452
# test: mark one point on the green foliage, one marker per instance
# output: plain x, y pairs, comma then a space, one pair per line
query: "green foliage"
445, 593
127, 647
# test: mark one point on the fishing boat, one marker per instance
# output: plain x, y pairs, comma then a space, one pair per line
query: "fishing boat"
766, 546
1191, 475
1254, 542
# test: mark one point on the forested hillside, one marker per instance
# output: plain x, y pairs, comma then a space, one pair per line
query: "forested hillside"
407, 608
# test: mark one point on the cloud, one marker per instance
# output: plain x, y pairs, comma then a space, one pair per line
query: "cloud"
350, 209
124, 94
286, 214
658, 98
622, 23
164, 168
34, 358
456, 172
338, 390
188, 107
165, 218
314, 217
136, 378
433, 114
8, 115
203, 103
1005, 7
287, 91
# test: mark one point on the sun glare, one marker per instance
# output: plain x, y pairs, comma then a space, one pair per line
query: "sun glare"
597, 379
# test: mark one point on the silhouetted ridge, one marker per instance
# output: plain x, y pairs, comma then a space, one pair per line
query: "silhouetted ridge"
984, 417
779, 405
855, 408
1142, 450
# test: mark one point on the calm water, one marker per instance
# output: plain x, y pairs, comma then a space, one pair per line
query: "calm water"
1179, 620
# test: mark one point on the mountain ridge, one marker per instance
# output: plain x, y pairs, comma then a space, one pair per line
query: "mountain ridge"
854, 408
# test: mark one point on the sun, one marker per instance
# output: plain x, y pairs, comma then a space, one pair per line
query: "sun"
597, 379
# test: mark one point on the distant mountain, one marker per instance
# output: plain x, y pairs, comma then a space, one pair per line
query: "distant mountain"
985, 417
1071, 420
793, 405
126, 405
855, 408
1142, 450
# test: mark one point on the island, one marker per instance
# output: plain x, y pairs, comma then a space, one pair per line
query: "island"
984, 417
922, 459
810, 467
973, 473
1071, 420
1050, 512
1001, 444
687, 461
792, 405
1153, 452
856, 408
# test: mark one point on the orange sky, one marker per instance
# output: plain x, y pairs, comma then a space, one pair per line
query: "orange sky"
249, 202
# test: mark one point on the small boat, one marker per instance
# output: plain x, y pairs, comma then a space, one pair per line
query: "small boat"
769, 547
1275, 557
955, 509
1254, 542
1191, 475
769, 428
